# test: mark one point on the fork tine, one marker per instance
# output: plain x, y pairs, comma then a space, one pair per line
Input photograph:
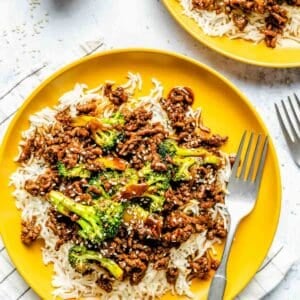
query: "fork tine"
243, 172
252, 165
282, 125
294, 111
260, 168
293, 129
238, 156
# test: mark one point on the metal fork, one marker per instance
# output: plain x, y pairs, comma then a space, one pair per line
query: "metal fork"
243, 188
293, 139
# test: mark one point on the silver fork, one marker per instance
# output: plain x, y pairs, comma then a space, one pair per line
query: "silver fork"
243, 188
293, 139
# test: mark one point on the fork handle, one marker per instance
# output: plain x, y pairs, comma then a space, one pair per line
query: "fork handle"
218, 284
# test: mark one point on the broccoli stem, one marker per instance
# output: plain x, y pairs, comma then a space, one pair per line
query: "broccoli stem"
112, 267
89, 224
83, 260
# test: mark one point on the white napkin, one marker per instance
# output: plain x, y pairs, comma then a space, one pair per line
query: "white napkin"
12, 285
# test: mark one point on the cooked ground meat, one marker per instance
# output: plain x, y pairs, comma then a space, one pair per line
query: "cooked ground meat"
30, 231
89, 108
176, 107
43, 184
105, 283
240, 21
141, 139
117, 96
240, 11
66, 229
200, 268
172, 274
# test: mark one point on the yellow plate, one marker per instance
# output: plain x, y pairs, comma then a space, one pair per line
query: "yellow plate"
225, 110
256, 54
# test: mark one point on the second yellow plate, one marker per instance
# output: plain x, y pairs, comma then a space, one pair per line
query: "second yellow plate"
256, 54
225, 110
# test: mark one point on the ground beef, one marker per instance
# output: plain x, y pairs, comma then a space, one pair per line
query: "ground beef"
117, 96
134, 267
78, 190
240, 10
199, 268
105, 283
30, 231
204, 4
151, 229
64, 228
141, 140
88, 108
172, 274
240, 21
43, 184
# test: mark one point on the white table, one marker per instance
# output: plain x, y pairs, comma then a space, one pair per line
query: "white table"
32, 31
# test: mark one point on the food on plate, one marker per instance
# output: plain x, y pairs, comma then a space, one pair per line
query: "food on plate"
126, 191
274, 21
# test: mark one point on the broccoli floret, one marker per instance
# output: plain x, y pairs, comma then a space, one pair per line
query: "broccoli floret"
157, 201
111, 215
183, 166
131, 176
107, 139
97, 222
103, 132
170, 147
116, 180
115, 119
78, 171
158, 183
84, 260
95, 181
131, 188
157, 180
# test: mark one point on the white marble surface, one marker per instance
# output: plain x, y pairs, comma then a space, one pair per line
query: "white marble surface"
32, 31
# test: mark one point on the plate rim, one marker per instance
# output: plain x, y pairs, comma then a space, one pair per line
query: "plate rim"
179, 21
154, 51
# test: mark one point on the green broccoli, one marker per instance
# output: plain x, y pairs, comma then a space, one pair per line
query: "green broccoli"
96, 182
103, 132
157, 201
78, 171
84, 260
157, 180
111, 215
158, 183
183, 165
170, 147
107, 139
116, 181
115, 119
97, 222
131, 187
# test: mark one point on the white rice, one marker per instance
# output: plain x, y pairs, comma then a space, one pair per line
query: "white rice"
214, 24
68, 283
